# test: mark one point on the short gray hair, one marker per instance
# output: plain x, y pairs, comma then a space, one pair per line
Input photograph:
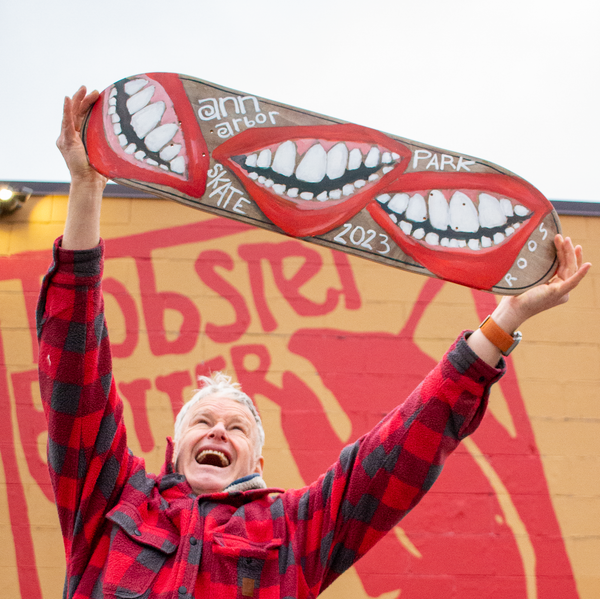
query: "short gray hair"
220, 384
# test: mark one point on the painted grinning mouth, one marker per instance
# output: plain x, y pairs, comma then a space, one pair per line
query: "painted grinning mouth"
310, 179
318, 171
145, 126
455, 219
213, 457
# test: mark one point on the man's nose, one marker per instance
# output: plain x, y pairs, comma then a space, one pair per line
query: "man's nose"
218, 431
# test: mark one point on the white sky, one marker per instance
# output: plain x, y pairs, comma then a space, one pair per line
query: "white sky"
516, 82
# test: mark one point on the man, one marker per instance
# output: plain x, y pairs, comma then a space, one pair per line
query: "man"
207, 525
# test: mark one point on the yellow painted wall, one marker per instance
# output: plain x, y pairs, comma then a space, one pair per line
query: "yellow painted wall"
557, 368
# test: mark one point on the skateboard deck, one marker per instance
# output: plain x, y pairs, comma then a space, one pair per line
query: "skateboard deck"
347, 187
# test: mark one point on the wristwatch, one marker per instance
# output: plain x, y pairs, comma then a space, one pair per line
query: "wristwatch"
499, 337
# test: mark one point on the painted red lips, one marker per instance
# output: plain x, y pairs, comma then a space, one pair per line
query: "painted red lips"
309, 180
467, 228
143, 128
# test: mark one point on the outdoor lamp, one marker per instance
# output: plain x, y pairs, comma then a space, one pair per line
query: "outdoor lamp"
11, 199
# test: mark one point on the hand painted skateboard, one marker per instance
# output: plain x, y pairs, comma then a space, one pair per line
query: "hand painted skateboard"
344, 186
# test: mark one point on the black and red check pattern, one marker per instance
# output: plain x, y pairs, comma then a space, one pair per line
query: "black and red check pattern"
132, 534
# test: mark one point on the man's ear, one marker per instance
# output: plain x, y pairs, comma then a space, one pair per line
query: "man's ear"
260, 462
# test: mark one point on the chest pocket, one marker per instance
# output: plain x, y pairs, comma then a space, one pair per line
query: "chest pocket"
138, 551
245, 565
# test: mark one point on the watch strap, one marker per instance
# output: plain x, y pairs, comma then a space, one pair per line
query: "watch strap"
504, 341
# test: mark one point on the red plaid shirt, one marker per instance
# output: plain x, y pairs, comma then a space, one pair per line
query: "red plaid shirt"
128, 533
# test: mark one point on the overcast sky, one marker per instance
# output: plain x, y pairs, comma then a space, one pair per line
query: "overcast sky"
516, 82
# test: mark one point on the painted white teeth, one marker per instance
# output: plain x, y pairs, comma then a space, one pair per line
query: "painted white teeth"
521, 210
307, 195
178, 165
113, 93
117, 128
399, 202
130, 149
161, 136
348, 189
360, 183
463, 213
486, 242
170, 152
262, 179
313, 166
386, 158
253, 176
499, 238
112, 101
284, 162
372, 159
140, 155
439, 213
335, 194
507, 207
122, 140
115, 118
373, 177
432, 239
293, 193
264, 159
417, 210
269, 183
491, 214
405, 227
147, 118
387, 169
354, 159
383, 198
323, 196
419, 234
251, 160
279, 189
140, 100
112, 109
474, 244
337, 161
134, 86
151, 161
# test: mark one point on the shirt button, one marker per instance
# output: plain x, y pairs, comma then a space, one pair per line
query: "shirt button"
193, 541
182, 590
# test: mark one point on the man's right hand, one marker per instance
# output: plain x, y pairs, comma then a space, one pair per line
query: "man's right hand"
70, 142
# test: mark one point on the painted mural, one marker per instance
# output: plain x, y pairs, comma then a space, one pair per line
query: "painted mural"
287, 319
344, 186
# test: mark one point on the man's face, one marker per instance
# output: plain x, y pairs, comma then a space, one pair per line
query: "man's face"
217, 444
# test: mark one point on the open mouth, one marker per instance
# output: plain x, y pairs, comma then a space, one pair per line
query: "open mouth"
466, 228
308, 180
151, 134
213, 457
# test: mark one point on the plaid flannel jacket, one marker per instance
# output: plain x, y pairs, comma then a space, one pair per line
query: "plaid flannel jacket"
131, 534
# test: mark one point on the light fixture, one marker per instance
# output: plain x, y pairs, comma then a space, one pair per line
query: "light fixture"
12, 199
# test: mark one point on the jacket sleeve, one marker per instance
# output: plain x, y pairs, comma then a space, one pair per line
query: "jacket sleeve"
88, 458
382, 476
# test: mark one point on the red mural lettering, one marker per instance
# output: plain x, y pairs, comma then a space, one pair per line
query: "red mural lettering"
207, 367
135, 393
206, 268
130, 315
173, 385
18, 511
155, 304
275, 254
32, 423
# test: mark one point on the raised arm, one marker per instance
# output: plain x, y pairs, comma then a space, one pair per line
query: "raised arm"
514, 310
82, 227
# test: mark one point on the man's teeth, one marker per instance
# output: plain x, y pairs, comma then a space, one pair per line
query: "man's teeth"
458, 223
212, 457
154, 144
318, 168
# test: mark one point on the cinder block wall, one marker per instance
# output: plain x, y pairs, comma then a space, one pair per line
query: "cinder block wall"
325, 344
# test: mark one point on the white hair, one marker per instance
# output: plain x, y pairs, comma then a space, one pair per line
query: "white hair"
220, 384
